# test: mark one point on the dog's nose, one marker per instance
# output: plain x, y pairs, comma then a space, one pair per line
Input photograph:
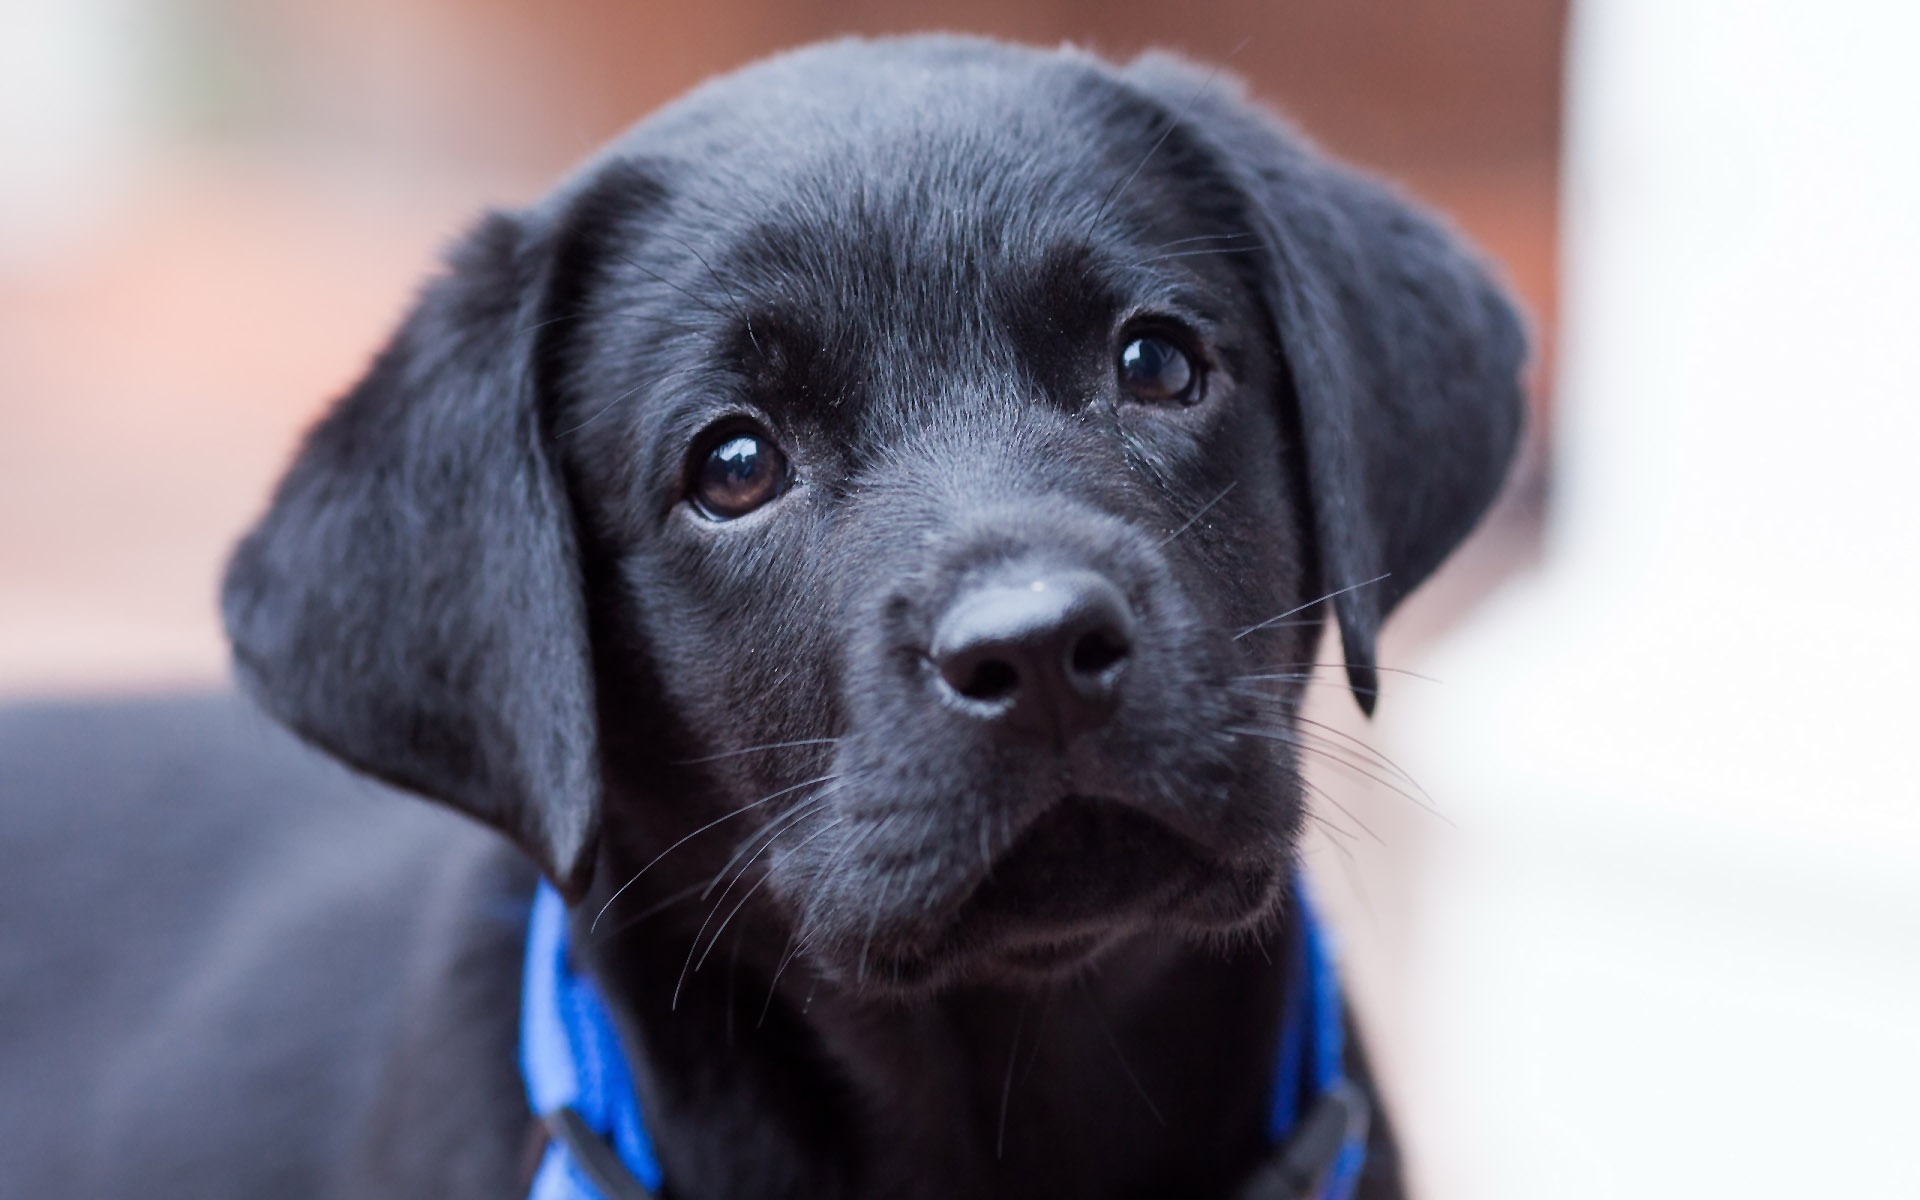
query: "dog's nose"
1043, 654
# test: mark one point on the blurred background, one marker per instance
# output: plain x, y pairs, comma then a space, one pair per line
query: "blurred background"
1663, 938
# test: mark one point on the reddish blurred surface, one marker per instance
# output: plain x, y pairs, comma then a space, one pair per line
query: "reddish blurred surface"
159, 357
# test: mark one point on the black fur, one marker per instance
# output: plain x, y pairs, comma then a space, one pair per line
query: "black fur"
864, 940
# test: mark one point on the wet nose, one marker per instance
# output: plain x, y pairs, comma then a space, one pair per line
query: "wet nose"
1042, 654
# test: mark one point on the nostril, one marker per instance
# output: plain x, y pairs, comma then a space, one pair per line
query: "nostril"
990, 679
1098, 649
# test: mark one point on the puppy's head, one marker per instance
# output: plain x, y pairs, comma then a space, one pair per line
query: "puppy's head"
902, 478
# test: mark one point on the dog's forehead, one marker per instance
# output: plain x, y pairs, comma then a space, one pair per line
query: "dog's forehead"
918, 160
859, 100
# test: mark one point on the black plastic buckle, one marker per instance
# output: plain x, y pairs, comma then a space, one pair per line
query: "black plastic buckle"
1298, 1170
596, 1160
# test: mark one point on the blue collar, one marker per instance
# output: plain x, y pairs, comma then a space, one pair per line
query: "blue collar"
579, 1085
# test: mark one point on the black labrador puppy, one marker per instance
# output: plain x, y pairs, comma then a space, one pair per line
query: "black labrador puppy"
863, 539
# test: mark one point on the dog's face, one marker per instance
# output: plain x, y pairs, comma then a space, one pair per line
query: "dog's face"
904, 474
889, 434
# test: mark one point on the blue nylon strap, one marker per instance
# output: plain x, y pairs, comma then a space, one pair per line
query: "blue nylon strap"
1312, 1052
571, 1058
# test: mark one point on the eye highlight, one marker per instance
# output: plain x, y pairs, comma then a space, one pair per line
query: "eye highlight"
740, 471
1153, 370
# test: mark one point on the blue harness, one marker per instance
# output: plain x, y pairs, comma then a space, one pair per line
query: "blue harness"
579, 1085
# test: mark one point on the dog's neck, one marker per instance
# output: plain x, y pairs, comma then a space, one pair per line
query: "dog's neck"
1147, 1074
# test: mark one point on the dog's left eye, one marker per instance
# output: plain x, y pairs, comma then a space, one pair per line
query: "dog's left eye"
739, 473
1155, 371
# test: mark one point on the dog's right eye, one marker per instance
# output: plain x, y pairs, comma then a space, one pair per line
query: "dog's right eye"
739, 472
1155, 371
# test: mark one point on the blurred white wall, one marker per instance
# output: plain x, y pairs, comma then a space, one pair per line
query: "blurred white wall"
77, 84
1673, 946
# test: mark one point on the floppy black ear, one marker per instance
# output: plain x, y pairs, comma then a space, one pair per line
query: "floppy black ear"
410, 602
1404, 355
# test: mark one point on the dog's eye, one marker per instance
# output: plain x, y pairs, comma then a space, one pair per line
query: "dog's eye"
741, 472
1155, 371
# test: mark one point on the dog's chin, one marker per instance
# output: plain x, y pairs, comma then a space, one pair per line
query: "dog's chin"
1086, 878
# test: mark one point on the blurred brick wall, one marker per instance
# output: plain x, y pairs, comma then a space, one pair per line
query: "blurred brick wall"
1391, 81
